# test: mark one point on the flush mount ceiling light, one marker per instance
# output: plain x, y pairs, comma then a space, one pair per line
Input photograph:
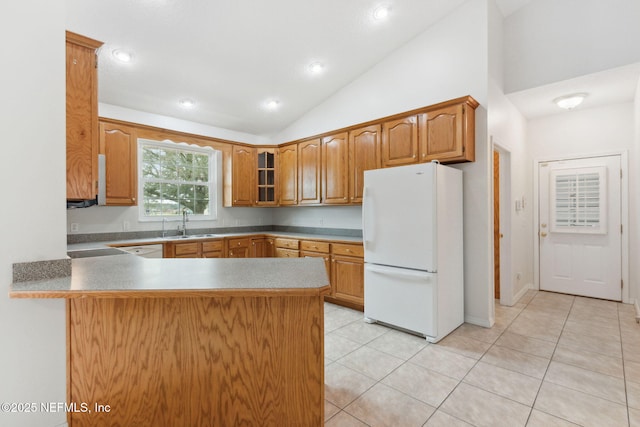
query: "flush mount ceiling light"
316, 68
122, 55
272, 104
187, 103
569, 102
381, 13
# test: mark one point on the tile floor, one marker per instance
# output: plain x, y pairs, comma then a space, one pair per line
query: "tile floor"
550, 360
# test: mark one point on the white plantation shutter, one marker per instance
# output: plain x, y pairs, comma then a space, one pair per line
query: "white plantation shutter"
578, 200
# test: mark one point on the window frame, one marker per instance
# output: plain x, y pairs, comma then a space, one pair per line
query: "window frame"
181, 146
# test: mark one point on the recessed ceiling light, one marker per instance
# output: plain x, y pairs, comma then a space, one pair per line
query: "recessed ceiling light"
187, 103
272, 104
122, 55
381, 13
569, 102
316, 67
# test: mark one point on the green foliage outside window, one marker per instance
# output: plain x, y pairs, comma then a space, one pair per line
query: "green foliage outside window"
175, 179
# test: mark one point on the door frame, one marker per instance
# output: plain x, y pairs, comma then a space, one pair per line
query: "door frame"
624, 214
506, 279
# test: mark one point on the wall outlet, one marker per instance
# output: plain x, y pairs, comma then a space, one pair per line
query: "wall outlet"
125, 226
75, 227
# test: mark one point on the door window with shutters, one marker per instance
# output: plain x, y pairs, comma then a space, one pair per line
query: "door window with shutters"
578, 200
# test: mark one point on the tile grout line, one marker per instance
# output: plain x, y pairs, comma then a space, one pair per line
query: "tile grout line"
624, 371
460, 381
555, 347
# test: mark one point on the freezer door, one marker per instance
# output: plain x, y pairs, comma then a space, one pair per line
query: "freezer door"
398, 216
403, 298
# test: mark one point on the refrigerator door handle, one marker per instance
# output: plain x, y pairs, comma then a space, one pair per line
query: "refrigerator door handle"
367, 217
399, 272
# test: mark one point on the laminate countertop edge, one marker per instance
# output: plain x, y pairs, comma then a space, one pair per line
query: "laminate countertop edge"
128, 276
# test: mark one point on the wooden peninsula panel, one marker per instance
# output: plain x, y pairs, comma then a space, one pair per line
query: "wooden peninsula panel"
197, 361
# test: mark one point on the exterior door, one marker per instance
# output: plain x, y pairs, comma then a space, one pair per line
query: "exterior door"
580, 227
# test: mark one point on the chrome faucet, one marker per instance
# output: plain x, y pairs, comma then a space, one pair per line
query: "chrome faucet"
164, 232
185, 219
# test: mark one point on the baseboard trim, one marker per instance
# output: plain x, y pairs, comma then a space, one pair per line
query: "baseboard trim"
485, 323
522, 292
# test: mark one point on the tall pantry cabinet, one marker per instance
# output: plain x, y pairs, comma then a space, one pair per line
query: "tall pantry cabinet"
82, 116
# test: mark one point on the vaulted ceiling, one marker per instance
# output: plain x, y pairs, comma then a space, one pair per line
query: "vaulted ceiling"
232, 57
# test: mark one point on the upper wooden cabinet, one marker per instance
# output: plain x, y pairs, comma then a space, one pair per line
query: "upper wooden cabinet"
243, 179
448, 134
288, 174
400, 141
329, 169
309, 155
335, 169
267, 177
118, 143
364, 154
82, 117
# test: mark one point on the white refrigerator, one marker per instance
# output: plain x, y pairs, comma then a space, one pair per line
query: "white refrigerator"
413, 250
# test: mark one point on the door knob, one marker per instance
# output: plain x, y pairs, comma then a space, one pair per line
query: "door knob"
543, 234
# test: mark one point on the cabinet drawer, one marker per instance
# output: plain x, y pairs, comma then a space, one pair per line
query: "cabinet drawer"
186, 249
242, 242
313, 246
287, 243
212, 246
287, 253
349, 250
212, 254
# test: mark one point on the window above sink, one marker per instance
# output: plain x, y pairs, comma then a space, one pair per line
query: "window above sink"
174, 177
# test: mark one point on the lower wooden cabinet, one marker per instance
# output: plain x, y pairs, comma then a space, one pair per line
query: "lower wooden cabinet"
286, 248
239, 248
270, 247
312, 248
347, 275
213, 249
194, 249
344, 261
258, 247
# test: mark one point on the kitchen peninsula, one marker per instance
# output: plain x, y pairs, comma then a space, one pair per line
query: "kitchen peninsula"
187, 342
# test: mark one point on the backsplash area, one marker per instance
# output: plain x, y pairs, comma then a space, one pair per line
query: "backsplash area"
102, 223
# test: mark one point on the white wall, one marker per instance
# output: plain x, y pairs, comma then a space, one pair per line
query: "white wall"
549, 40
107, 219
165, 122
446, 61
507, 128
594, 131
634, 273
32, 355
349, 217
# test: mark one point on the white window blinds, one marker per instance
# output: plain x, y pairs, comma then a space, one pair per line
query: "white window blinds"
578, 200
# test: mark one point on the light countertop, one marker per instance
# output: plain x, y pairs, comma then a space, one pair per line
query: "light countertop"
157, 240
132, 276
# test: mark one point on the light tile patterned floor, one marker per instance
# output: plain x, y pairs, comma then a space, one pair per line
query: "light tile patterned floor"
550, 360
